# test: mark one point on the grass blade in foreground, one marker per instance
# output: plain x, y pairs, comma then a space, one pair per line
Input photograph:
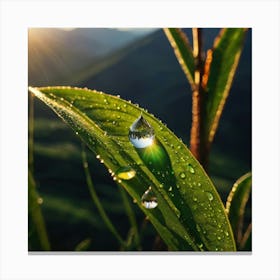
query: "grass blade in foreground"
96, 200
34, 210
236, 203
182, 50
190, 214
220, 66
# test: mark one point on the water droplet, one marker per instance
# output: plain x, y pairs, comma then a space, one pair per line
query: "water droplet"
125, 173
98, 156
190, 168
40, 200
141, 134
149, 199
226, 233
210, 196
182, 175
170, 189
194, 199
77, 132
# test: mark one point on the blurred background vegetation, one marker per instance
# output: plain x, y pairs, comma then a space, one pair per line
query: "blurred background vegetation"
139, 65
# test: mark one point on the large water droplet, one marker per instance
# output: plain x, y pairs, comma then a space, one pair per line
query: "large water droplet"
141, 134
125, 172
149, 199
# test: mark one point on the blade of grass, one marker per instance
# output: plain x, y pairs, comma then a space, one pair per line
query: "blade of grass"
34, 210
31, 133
96, 200
220, 67
246, 241
83, 245
183, 51
236, 203
131, 218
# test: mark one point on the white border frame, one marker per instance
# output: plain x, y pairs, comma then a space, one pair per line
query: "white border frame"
17, 16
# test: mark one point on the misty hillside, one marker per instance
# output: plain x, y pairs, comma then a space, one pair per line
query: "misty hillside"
55, 54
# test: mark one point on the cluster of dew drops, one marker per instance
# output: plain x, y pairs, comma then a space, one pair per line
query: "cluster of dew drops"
141, 135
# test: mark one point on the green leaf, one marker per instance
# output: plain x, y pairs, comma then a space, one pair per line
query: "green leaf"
190, 214
36, 219
182, 50
83, 245
236, 204
220, 67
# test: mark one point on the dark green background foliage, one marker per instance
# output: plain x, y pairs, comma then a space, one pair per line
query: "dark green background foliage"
144, 70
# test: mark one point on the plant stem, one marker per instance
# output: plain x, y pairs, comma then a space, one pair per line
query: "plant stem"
197, 145
131, 217
97, 202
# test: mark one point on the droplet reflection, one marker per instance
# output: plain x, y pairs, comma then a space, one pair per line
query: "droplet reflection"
149, 199
141, 134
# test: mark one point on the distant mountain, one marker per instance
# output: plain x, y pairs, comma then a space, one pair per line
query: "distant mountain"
55, 54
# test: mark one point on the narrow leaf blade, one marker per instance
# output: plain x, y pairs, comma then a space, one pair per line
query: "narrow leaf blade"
182, 50
190, 214
36, 217
220, 67
236, 203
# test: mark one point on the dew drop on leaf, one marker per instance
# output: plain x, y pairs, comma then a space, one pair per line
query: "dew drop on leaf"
149, 199
190, 168
182, 175
209, 195
125, 173
141, 134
